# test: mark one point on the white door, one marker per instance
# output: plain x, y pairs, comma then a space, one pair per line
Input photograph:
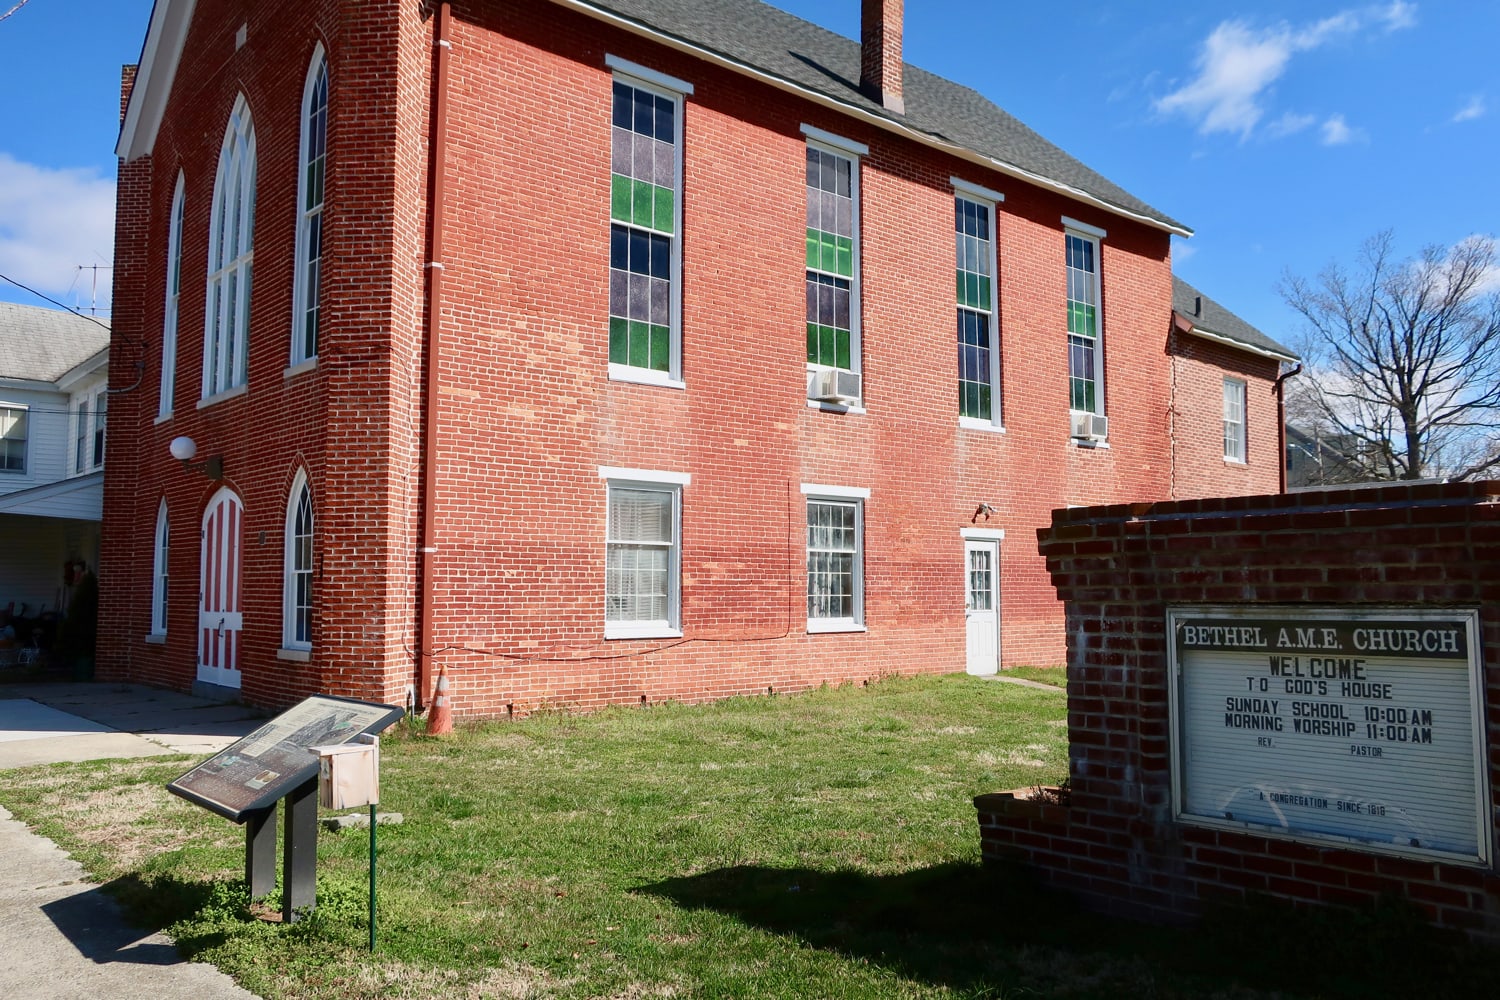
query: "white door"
219, 591
982, 605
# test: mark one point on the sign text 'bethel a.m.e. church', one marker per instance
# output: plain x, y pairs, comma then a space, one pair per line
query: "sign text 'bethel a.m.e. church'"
1347, 725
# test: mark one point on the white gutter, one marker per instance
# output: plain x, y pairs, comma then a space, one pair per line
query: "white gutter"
854, 111
1240, 345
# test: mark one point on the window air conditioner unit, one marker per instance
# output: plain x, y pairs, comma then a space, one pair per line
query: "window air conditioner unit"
1089, 426
835, 385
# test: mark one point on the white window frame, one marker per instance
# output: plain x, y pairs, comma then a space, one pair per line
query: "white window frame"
989, 201
160, 570
854, 152
1094, 235
665, 482
290, 571
857, 497
25, 468
308, 216
677, 91
226, 323
1236, 433
168, 388
83, 429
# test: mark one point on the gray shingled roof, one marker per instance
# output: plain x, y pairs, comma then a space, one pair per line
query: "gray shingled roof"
778, 43
1208, 317
44, 344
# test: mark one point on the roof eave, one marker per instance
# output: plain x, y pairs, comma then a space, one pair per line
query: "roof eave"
1189, 326
865, 115
153, 80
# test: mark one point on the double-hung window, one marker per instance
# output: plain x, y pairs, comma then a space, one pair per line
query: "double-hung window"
88, 431
642, 553
978, 327
835, 558
306, 289
832, 259
13, 438
1085, 331
645, 251
1234, 420
231, 252
169, 312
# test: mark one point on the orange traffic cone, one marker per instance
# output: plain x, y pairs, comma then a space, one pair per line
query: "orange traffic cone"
440, 716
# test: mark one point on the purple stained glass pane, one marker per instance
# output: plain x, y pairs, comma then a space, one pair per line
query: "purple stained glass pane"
812, 300
843, 217
661, 310
841, 167
619, 293
640, 296
620, 146
841, 305
827, 312
665, 174
812, 167
641, 166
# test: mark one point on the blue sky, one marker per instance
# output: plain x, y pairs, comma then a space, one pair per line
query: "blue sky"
1284, 133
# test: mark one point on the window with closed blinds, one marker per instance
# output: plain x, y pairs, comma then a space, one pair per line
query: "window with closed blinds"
642, 559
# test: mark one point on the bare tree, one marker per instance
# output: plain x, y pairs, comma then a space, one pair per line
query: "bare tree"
1403, 360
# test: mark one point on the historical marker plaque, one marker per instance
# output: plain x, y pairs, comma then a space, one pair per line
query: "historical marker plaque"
1355, 726
271, 762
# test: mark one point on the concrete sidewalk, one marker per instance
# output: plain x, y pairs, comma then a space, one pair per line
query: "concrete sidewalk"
62, 938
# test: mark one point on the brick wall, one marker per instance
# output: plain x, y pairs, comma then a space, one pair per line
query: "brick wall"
1199, 367
1118, 568
524, 409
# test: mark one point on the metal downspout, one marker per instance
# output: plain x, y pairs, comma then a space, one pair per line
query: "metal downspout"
427, 553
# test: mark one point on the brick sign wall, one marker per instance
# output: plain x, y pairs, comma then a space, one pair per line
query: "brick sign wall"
1165, 606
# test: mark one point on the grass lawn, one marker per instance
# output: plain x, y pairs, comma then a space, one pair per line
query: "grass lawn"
821, 845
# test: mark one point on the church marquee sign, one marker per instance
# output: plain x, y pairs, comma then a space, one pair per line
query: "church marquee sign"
1354, 727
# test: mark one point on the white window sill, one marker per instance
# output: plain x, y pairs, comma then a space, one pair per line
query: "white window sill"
818, 404
1236, 461
156, 639
644, 376
643, 630
219, 397
300, 367
294, 655
162, 418
1086, 443
977, 424
825, 626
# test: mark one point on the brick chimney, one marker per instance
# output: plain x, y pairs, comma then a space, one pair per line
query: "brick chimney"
127, 84
880, 52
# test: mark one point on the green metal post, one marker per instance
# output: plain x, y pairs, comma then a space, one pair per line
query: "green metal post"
372, 876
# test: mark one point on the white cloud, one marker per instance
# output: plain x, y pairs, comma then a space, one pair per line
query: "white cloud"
1474, 109
1337, 132
1239, 64
1289, 124
51, 221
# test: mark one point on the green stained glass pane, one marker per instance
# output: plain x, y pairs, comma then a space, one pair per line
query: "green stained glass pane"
826, 337
643, 205
971, 290
812, 248
812, 342
619, 198
828, 251
1081, 319
640, 344
661, 338
1083, 395
959, 288
966, 400
984, 402
619, 340
842, 361
845, 250
664, 200
984, 292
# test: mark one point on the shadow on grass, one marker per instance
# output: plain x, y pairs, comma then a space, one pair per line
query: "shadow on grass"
991, 930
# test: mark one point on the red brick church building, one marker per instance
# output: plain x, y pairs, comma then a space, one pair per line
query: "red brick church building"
610, 351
